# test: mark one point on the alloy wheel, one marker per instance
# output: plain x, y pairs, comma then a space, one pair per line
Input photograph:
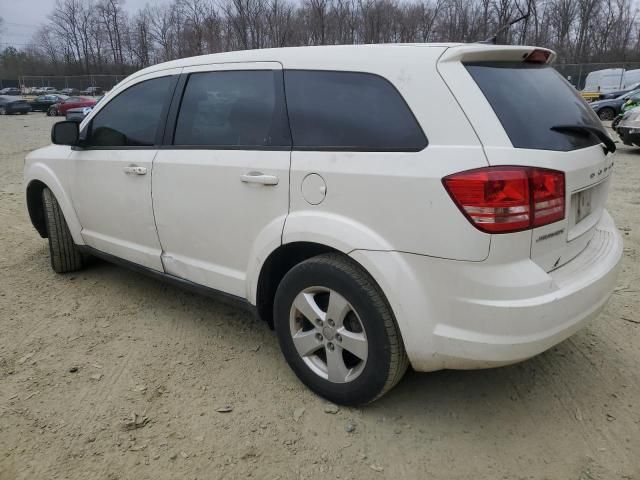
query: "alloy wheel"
328, 334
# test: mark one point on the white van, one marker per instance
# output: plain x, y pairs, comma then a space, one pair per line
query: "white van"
604, 81
631, 78
441, 205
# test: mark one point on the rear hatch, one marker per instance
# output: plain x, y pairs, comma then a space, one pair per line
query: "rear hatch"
526, 114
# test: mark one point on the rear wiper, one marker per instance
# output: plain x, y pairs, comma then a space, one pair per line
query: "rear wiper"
598, 132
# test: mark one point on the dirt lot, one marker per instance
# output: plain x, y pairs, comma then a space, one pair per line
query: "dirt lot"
171, 359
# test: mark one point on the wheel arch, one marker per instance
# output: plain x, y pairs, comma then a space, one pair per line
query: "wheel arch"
35, 206
303, 235
276, 266
37, 178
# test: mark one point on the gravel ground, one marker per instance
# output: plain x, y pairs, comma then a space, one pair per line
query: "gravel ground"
107, 374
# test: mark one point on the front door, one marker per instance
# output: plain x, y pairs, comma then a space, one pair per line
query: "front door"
223, 184
111, 173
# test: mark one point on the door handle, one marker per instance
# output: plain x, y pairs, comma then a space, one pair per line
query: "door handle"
259, 178
135, 170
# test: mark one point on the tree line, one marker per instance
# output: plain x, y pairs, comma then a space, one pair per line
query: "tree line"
101, 36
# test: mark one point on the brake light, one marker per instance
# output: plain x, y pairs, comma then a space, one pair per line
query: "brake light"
538, 56
508, 199
547, 191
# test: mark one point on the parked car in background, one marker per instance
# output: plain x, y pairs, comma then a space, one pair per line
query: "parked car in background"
43, 90
617, 93
11, 105
78, 114
93, 91
43, 102
71, 102
69, 91
323, 189
11, 91
608, 109
632, 103
629, 127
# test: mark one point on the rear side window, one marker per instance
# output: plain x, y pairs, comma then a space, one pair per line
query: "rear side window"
233, 109
349, 111
529, 100
132, 118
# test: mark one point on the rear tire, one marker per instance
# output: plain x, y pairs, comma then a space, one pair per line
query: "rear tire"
65, 255
335, 343
3, 111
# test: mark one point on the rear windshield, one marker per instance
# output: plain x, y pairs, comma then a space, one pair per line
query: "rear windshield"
530, 99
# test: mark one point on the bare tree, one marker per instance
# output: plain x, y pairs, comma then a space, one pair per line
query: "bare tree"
89, 36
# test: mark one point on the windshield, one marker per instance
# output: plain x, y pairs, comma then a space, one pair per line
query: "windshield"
530, 99
629, 94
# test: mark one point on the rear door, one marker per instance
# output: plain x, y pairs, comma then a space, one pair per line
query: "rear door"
221, 182
515, 107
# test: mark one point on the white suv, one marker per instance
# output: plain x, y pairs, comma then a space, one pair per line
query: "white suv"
440, 205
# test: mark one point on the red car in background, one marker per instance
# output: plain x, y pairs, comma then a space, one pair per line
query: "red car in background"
71, 102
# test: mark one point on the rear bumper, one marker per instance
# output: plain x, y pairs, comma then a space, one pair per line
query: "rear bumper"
472, 315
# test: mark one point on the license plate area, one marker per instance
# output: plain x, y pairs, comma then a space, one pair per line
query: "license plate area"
581, 201
586, 208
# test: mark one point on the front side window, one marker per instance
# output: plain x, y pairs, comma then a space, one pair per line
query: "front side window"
233, 109
349, 111
133, 117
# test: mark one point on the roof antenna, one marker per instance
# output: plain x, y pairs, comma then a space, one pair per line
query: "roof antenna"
493, 39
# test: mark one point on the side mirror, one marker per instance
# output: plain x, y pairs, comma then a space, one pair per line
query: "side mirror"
65, 133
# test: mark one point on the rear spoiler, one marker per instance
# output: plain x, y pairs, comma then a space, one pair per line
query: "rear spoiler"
497, 53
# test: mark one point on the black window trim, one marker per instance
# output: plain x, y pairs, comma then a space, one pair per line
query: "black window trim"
359, 148
176, 104
161, 125
167, 142
171, 108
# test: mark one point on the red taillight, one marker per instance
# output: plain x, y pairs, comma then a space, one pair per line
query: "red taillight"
547, 190
508, 199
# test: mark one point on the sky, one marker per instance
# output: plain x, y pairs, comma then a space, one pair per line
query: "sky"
23, 17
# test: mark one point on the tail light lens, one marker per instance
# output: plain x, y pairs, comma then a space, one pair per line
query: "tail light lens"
508, 199
538, 56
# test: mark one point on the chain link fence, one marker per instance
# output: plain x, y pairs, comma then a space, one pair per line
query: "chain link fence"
575, 73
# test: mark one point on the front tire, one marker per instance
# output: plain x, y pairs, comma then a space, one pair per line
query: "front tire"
606, 114
616, 121
52, 112
337, 331
65, 255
